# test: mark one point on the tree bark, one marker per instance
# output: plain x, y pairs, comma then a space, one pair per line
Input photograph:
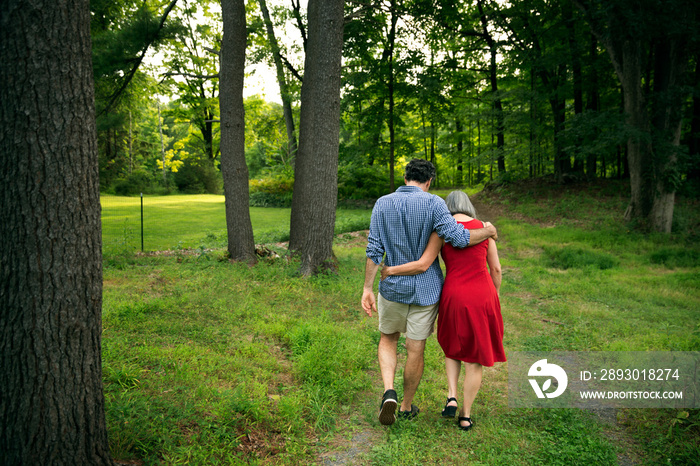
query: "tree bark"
241, 245
593, 102
51, 399
315, 193
493, 79
390, 87
693, 173
282, 82
577, 75
459, 178
654, 135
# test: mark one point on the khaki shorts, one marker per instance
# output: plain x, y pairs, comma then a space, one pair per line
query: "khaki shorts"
416, 322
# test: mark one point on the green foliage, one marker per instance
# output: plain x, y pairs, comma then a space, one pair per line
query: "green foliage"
337, 378
574, 434
574, 257
271, 192
209, 362
673, 257
671, 436
198, 177
361, 181
136, 183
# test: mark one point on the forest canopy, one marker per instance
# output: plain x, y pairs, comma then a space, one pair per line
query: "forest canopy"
489, 91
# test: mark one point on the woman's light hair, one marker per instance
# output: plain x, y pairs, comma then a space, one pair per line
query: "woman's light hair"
458, 203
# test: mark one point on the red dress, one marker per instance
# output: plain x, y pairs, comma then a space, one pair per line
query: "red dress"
470, 326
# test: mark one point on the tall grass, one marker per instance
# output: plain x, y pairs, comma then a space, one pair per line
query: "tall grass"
208, 362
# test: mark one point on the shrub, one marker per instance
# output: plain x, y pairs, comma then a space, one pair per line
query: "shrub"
676, 257
195, 177
361, 182
571, 257
270, 200
137, 182
271, 192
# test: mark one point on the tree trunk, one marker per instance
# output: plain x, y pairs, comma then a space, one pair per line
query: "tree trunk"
162, 146
654, 137
593, 103
392, 134
241, 245
562, 163
639, 147
282, 81
51, 400
493, 79
577, 75
315, 193
667, 117
693, 173
459, 178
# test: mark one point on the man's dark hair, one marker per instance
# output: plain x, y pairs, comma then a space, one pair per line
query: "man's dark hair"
419, 170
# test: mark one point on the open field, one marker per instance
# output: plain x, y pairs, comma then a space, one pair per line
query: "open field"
193, 222
208, 362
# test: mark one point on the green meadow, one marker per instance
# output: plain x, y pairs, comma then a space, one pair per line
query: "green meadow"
211, 362
193, 222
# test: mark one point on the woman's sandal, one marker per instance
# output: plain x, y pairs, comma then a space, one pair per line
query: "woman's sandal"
465, 428
450, 411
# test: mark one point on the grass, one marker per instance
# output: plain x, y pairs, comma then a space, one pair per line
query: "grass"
194, 222
208, 362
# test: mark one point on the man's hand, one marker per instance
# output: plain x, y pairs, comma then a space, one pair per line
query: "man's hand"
369, 302
482, 234
490, 227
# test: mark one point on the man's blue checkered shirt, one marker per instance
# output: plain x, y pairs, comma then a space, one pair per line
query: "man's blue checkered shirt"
401, 225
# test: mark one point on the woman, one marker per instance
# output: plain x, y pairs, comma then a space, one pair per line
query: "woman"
470, 326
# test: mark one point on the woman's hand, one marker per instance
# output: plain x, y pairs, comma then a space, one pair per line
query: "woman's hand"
385, 272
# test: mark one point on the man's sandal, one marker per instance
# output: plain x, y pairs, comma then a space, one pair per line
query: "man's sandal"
387, 408
407, 415
467, 419
449, 411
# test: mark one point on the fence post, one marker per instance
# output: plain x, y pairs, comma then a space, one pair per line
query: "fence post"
141, 222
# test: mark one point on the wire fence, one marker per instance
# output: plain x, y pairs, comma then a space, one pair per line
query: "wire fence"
158, 223
154, 223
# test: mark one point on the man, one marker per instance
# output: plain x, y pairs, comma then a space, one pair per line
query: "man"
401, 225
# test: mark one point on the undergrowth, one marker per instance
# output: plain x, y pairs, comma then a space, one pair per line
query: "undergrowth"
209, 362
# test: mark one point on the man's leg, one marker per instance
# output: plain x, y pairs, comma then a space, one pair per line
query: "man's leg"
419, 325
386, 353
413, 371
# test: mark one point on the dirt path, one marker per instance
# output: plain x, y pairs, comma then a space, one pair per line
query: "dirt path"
352, 449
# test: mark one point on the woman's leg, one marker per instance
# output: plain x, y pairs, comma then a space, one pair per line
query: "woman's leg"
472, 383
452, 367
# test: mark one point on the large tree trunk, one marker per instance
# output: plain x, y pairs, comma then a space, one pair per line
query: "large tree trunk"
282, 82
241, 245
493, 79
693, 173
316, 171
639, 149
51, 400
654, 135
577, 74
390, 87
655, 138
459, 129
667, 118
593, 102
